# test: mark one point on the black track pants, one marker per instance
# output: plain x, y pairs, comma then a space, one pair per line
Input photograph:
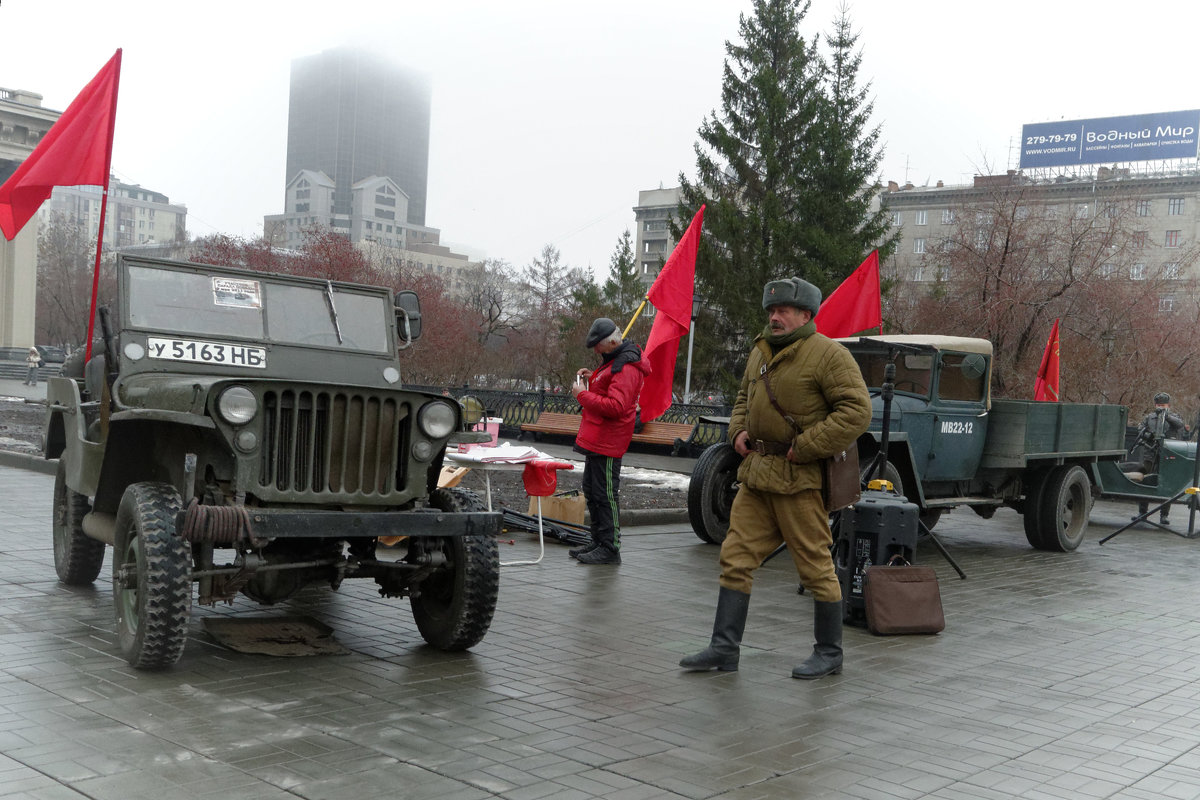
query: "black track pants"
601, 482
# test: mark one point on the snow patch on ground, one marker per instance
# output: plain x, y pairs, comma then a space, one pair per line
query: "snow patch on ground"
649, 478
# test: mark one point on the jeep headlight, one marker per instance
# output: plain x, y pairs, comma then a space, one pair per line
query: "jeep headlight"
237, 405
437, 419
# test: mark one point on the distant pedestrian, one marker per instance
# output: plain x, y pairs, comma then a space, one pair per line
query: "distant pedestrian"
608, 398
33, 361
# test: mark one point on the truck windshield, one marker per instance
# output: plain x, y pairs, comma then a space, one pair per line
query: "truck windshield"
259, 310
912, 371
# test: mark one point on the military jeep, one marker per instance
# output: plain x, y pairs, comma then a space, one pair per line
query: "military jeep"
249, 432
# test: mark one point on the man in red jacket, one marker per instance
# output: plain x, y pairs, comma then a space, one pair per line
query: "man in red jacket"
608, 396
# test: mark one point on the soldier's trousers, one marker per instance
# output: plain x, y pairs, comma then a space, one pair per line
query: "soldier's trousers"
760, 521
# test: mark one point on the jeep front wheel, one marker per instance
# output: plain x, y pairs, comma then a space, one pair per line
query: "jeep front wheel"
152, 585
453, 607
78, 558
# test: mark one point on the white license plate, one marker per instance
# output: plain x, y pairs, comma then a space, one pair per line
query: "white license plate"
222, 353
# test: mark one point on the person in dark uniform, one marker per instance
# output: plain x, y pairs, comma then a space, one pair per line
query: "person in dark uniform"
1161, 423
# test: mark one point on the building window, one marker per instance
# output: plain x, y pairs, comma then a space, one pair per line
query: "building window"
1107, 270
1137, 272
1171, 239
918, 246
922, 217
1022, 212
1111, 211
654, 225
1166, 303
897, 218
943, 274
1081, 210
1175, 206
947, 216
1143, 208
1139, 239
1171, 270
918, 273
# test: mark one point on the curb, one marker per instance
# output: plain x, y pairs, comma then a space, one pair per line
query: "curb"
653, 516
28, 461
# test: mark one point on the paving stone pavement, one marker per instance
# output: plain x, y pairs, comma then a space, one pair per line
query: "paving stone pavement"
1058, 676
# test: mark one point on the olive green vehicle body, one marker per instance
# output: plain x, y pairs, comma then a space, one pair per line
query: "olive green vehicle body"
271, 406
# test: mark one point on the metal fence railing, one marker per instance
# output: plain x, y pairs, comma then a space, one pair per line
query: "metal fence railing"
517, 408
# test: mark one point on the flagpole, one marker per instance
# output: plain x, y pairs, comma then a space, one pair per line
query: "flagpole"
112, 124
636, 314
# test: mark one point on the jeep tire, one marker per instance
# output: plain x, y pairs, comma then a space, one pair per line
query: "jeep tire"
453, 607
78, 558
152, 586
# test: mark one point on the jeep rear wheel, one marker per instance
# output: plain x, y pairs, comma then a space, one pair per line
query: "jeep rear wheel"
454, 606
152, 586
78, 558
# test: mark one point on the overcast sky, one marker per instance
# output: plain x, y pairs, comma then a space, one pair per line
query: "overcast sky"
550, 115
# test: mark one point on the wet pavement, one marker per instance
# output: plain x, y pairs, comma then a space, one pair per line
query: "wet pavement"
1058, 676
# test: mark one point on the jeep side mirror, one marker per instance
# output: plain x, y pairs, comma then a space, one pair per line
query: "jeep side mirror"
408, 317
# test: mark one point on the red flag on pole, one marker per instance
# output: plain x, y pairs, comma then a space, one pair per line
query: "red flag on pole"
76, 151
855, 305
671, 296
1046, 385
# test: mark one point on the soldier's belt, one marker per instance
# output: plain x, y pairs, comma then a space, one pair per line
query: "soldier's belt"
770, 448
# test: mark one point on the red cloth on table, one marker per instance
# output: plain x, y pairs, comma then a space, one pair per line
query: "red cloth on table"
541, 477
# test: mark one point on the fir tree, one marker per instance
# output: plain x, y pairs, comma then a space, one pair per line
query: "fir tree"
785, 168
623, 290
753, 161
843, 227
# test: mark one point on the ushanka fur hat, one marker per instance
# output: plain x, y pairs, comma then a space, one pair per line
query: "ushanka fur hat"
792, 292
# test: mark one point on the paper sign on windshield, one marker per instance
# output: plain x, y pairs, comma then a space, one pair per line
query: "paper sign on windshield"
237, 293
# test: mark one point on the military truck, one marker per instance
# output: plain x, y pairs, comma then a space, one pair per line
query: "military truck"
249, 432
951, 444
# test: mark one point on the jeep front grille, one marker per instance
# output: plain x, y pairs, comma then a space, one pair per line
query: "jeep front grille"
330, 441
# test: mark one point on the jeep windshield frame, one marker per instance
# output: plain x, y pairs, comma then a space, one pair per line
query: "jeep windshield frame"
219, 303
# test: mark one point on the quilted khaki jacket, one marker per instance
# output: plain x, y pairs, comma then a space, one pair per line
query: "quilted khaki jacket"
818, 383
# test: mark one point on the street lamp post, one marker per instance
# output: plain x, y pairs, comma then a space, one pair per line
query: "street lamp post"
687, 381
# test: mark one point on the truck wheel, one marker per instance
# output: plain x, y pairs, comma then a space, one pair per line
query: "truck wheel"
454, 607
1062, 511
152, 586
710, 492
78, 558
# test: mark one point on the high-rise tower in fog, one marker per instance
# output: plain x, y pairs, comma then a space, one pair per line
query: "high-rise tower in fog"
354, 115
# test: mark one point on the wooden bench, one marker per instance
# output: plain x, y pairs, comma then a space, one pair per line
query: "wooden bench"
553, 422
672, 433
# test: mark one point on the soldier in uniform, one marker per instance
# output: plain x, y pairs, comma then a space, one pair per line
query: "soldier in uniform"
792, 369
1161, 423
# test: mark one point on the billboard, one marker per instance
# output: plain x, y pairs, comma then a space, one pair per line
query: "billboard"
1141, 137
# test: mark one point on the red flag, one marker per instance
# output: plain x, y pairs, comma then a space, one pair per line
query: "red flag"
1046, 385
671, 295
854, 306
74, 152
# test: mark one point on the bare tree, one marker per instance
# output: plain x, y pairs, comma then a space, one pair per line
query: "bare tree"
1017, 258
66, 256
548, 305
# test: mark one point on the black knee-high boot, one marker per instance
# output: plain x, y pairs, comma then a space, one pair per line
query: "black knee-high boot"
722, 652
826, 658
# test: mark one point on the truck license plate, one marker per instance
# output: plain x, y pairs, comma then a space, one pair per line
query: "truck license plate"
229, 355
